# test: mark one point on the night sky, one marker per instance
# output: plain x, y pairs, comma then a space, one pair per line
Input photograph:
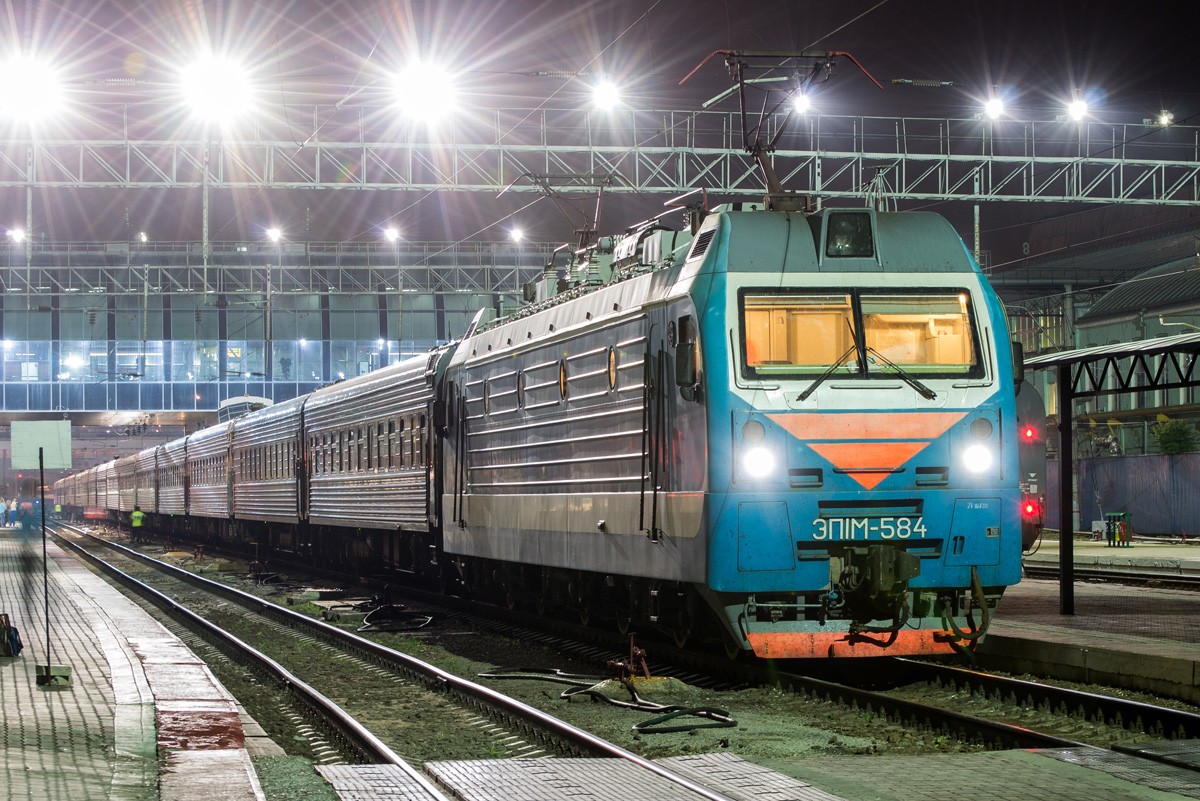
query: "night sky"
1130, 60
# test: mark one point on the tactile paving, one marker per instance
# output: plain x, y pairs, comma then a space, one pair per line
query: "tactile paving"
1184, 753
373, 782
735, 777
1167, 778
604, 779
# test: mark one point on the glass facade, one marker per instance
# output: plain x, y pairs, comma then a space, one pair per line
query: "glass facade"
118, 326
196, 369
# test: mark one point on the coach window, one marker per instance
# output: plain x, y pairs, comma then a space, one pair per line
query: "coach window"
364, 449
391, 436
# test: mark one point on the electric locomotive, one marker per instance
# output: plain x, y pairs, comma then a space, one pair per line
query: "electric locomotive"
803, 424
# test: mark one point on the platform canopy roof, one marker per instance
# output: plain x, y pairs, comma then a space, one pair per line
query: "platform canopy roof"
1091, 369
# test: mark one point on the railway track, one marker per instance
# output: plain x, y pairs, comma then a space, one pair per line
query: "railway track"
1132, 716
1155, 721
1134, 577
358, 741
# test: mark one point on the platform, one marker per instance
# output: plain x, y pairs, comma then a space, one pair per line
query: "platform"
1142, 637
1167, 559
143, 718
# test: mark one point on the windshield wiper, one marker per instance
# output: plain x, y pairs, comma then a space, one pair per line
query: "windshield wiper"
832, 369
908, 377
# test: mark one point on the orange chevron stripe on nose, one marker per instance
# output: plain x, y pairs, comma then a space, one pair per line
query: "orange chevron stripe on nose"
871, 462
809, 426
861, 449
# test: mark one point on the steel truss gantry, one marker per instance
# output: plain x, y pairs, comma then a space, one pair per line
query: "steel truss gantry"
885, 159
246, 268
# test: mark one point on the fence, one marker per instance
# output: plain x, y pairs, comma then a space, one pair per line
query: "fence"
1159, 492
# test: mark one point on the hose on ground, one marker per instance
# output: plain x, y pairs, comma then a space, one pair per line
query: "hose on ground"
581, 685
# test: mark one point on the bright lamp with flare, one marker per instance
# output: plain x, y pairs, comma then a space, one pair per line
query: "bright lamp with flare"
977, 458
758, 462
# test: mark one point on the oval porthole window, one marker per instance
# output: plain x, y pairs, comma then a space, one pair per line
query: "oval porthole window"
486, 393
671, 333
521, 390
612, 367
562, 379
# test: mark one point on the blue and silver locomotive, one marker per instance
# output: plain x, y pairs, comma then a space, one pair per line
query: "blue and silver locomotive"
802, 424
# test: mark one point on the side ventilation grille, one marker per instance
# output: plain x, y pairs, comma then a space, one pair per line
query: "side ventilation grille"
700, 246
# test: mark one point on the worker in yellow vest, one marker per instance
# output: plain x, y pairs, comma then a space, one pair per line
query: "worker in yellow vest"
136, 521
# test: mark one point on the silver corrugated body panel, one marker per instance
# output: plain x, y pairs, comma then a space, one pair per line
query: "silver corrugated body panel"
543, 474
108, 486
386, 500
125, 470
147, 480
208, 468
171, 467
274, 499
377, 497
562, 531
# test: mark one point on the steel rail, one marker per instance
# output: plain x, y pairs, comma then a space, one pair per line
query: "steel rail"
351, 731
530, 720
1155, 720
1132, 576
920, 715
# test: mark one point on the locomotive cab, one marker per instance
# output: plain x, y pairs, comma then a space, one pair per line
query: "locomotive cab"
869, 500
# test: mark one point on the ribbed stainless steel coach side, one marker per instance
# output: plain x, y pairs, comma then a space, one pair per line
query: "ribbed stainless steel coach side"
94, 492
172, 467
369, 447
267, 463
125, 477
208, 472
146, 480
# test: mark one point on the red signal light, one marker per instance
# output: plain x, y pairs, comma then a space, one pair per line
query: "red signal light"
1029, 508
1029, 433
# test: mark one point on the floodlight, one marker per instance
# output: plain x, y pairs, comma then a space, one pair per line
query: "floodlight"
17, 235
31, 91
273, 234
216, 89
516, 234
425, 92
993, 108
1165, 118
606, 95
1077, 109
391, 234
801, 103
142, 237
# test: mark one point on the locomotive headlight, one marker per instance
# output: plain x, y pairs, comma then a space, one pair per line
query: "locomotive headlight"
977, 458
758, 462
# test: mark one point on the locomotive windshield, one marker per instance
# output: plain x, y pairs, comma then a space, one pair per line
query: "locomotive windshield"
798, 333
926, 332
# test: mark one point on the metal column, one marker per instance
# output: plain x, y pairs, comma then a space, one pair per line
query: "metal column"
1066, 495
